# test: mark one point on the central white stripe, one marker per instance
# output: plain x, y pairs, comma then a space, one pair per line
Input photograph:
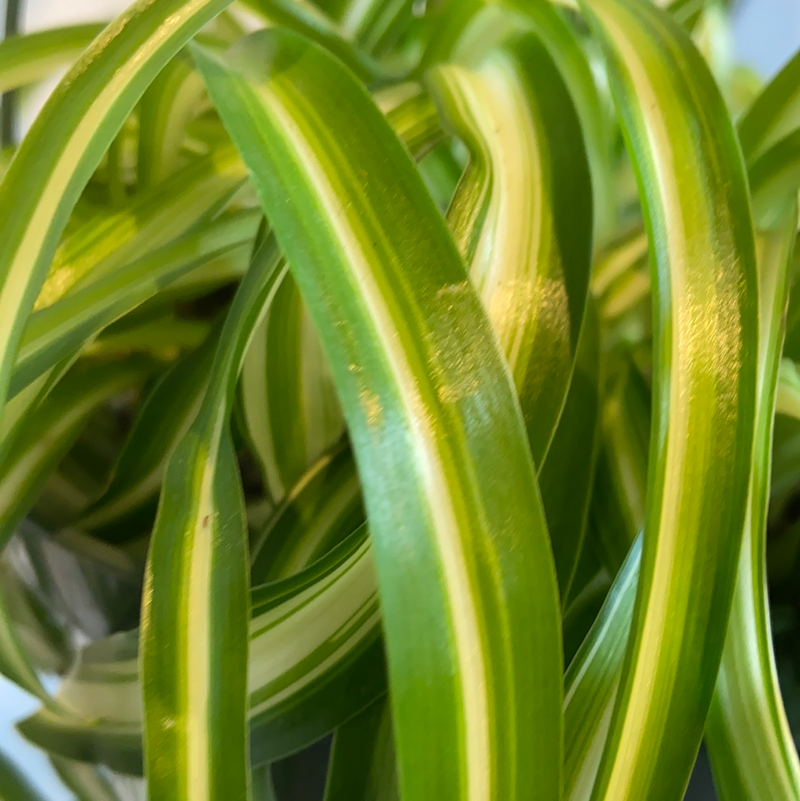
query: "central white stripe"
197, 611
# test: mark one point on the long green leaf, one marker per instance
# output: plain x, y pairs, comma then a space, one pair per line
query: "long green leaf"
751, 747
618, 500
592, 679
775, 178
469, 28
695, 199
774, 114
317, 27
14, 786
67, 141
769, 133
565, 47
752, 756
321, 509
25, 59
196, 589
288, 398
362, 766
567, 476
430, 409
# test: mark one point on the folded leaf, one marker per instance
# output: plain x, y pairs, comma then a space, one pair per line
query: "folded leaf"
522, 217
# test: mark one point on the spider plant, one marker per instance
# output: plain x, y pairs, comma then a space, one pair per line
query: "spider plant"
414, 378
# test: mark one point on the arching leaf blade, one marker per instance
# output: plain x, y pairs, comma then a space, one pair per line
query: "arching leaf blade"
408, 321
679, 136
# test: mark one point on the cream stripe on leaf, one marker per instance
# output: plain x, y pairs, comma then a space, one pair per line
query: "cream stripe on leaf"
148, 220
67, 141
56, 335
437, 432
194, 635
562, 40
167, 107
592, 679
694, 194
379, 22
372, 24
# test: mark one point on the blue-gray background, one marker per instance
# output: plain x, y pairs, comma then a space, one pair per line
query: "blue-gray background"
766, 33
